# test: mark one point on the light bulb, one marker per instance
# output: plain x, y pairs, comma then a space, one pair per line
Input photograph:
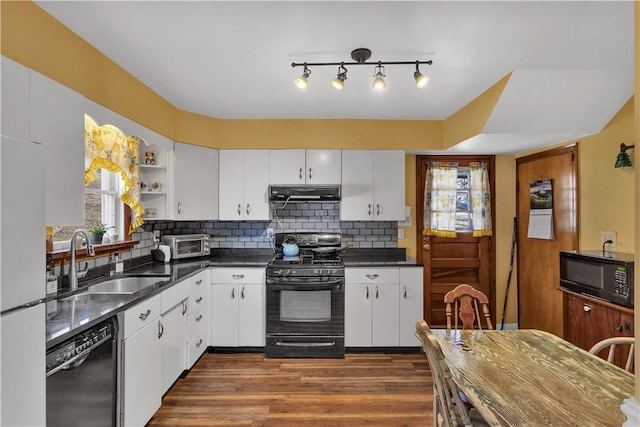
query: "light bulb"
301, 82
337, 83
421, 80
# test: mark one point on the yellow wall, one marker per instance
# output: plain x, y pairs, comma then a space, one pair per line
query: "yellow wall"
637, 180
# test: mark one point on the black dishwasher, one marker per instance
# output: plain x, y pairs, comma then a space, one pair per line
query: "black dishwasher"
82, 378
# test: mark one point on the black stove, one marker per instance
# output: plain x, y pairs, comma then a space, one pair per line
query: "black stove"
319, 256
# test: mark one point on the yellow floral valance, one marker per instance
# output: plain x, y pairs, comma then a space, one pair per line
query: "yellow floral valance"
106, 147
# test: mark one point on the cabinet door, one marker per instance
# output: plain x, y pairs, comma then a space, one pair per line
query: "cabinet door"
386, 315
195, 183
256, 178
388, 185
357, 185
224, 315
286, 167
57, 121
15, 100
231, 185
410, 305
357, 314
142, 378
173, 340
251, 315
22, 182
323, 167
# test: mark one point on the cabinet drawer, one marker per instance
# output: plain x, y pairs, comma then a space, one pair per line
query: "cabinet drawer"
196, 323
175, 294
141, 315
372, 275
198, 282
237, 275
197, 300
195, 348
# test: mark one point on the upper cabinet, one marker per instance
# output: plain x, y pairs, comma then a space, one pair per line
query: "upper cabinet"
57, 122
296, 167
154, 181
15, 100
373, 185
195, 177
243, 185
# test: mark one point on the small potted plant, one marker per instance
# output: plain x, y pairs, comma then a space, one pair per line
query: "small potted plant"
97, 232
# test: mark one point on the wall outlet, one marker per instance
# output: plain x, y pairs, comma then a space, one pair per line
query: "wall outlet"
270, 233
609, 235
400, 233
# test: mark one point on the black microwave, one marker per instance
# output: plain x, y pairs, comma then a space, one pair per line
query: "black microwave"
608, 275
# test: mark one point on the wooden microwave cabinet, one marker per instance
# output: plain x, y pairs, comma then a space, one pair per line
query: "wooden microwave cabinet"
589, 320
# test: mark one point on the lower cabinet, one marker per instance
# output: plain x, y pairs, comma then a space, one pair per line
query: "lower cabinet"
237, 307
198, 317
173, 335
589, 320
142, 362
382, 306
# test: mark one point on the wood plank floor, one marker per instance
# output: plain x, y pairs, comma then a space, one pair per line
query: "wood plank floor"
389, 390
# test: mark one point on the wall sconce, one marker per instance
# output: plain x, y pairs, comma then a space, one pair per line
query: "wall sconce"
623, 160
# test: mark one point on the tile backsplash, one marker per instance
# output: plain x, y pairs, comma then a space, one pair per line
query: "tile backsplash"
298, 216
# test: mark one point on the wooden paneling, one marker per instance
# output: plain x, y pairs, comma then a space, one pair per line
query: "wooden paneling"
248, 390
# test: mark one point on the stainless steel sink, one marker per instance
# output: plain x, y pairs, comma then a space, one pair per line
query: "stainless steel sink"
125, 285
87, 296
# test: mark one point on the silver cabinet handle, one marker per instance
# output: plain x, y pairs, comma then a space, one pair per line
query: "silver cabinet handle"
248, 209
233, 293
199, 343
367, 292
242, 293
369, 211
377, 293
179, 208
160, 329
586, 308
199, 282
372, 276
300, 175
184, 307
404, 293
143, 316
238, 276
309, 172
199, 300
239, 209
378, 209
199, 318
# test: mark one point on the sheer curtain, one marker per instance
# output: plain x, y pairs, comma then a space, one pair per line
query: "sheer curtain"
480, 199
440, 199
106, 147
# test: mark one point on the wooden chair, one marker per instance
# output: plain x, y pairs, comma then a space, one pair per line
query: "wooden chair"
466, 300
612, 343
448, 408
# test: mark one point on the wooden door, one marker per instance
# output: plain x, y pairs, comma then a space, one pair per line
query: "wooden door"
539, 300
449, 262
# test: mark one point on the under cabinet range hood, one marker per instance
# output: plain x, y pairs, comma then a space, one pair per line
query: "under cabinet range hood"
305, 193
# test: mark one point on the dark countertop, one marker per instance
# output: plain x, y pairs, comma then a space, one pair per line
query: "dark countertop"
66, 317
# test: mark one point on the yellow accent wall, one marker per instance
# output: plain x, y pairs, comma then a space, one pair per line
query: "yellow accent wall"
637, 180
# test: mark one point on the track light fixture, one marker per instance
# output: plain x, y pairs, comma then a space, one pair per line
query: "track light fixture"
360, 56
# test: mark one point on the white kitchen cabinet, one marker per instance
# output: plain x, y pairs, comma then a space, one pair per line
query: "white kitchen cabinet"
237, 307
22, 222
22, 355
198, 317
15, 99
295, 167
195, 189
372, 307
154, 180
142, 385
411, 304
373, 185
244, 175
173, 336
57, 122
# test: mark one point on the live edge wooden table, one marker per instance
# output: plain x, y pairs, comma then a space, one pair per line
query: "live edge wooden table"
533, 378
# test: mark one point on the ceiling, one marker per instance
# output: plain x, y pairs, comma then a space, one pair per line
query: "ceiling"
232, 60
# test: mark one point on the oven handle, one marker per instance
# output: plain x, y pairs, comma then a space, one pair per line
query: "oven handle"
305, 344
307, 286
79, 358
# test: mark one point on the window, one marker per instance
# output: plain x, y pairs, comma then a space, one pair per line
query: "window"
101, 206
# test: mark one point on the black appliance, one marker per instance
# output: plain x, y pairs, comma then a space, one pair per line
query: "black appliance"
81, 378
604, 275
325, 193
305, 298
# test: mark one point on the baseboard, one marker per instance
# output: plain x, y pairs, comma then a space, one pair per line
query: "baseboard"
508, 326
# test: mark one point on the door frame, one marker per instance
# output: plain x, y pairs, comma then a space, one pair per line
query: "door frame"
491, 162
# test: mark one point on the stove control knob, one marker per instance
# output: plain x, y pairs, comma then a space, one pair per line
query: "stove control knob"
279, 273
288, 272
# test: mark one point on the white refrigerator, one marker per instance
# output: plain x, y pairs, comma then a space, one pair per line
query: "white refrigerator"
22, 283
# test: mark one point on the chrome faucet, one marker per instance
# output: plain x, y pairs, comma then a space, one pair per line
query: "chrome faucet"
73, 271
